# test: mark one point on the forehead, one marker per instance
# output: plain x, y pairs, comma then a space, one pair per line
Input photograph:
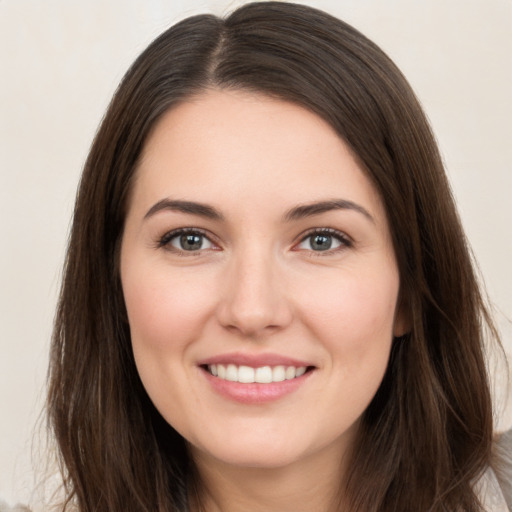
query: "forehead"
234, 147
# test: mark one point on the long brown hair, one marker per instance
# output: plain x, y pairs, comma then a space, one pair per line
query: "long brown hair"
426, 436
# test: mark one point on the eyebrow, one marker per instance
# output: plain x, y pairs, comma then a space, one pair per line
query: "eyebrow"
203, 210
296, 213
308, 210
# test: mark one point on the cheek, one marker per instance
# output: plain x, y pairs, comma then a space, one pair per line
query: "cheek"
167, 312
165, 308
354, 312
356, 306
354, 320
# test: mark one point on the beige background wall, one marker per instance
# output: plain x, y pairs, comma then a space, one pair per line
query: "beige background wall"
60, 61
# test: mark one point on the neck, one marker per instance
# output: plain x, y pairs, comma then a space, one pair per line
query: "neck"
313, 483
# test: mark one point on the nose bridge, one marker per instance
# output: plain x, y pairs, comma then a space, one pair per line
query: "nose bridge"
254, 301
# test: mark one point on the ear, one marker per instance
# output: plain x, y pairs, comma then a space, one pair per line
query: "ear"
403, 318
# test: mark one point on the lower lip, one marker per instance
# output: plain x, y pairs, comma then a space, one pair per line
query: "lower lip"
255, 393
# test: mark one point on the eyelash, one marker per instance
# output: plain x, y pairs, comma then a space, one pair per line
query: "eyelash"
342, 238
166, 239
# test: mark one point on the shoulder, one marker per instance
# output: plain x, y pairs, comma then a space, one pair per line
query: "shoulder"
491, 494
502, 465
17, 508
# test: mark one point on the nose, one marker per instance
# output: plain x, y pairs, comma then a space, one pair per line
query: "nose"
253, 301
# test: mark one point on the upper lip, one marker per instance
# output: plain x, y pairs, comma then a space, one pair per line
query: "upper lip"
254, 360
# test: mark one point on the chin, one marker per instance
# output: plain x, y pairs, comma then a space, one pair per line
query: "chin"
249, 452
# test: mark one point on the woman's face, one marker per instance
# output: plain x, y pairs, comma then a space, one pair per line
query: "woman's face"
260, 280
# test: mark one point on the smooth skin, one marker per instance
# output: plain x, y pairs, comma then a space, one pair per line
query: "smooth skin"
251, 270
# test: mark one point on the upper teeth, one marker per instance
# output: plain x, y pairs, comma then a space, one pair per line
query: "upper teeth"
263, 374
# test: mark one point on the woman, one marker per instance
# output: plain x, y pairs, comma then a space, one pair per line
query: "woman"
268, 301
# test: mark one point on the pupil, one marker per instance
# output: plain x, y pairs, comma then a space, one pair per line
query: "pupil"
191, 242
321, 242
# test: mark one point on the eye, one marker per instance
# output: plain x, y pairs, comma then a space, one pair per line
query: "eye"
324, 240
188, 240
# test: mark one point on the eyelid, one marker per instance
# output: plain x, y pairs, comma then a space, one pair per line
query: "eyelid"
345, 240
164, 240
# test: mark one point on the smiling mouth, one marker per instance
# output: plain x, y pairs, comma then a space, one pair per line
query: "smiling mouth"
261, 374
